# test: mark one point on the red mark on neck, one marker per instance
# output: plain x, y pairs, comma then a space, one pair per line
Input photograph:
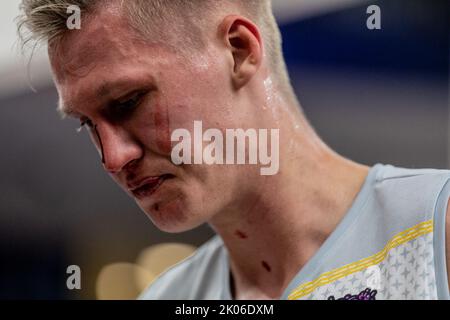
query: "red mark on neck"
266, 266
240, 234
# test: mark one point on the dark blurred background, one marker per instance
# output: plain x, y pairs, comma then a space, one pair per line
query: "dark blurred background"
373, 95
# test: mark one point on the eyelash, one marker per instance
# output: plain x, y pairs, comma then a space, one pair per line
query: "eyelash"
84, 123
120, 108
134, 101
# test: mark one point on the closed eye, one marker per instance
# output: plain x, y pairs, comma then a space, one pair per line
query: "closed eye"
119, 109
124, 107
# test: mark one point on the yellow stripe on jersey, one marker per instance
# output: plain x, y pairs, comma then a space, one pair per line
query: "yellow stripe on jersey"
333, 275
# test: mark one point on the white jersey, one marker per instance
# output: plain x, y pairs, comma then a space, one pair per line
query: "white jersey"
389, 245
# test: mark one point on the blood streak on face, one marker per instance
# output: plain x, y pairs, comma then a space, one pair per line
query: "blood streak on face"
162, 126
240, 234
266, 266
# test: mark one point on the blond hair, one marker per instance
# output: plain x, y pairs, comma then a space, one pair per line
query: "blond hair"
45, 21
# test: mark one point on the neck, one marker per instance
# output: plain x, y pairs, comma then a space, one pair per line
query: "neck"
277, 227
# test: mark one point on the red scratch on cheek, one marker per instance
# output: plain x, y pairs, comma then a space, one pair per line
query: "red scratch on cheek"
162, 127
266, 266
240, 234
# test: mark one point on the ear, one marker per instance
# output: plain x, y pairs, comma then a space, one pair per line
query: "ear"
242, 38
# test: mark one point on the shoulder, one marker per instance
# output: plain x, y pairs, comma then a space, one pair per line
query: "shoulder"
447, 245
413, 192
392, 173
447, 224
196, 277
422, 195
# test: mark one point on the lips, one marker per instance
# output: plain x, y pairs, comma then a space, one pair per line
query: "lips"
147, 186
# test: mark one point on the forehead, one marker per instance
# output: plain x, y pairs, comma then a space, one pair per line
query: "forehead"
105, 37
105, 55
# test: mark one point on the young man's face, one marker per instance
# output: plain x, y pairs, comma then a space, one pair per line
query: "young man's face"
134, 95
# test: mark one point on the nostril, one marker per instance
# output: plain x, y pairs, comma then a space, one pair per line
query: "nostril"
131, 176
132, 165
110, 170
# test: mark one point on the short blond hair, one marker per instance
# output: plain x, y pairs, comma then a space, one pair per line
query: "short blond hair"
45, 21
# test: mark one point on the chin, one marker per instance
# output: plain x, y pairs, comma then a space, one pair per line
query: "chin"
173, 216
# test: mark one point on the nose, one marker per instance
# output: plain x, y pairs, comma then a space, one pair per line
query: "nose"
117, 147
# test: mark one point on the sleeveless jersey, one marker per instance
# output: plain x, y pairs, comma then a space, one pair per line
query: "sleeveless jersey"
389, 245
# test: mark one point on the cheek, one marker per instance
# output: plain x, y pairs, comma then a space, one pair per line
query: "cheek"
167, 118
156, 124
161, 121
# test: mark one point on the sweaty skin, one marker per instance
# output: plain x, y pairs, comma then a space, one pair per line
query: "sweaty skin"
281, 220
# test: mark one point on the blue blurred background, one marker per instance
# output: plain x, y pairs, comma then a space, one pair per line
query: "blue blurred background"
373, 95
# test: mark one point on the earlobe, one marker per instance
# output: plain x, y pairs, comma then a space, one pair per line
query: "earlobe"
243, 39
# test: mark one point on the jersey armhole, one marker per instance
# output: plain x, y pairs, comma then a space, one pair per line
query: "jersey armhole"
439, 238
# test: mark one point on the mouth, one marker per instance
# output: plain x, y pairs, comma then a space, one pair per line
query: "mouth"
149, 186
